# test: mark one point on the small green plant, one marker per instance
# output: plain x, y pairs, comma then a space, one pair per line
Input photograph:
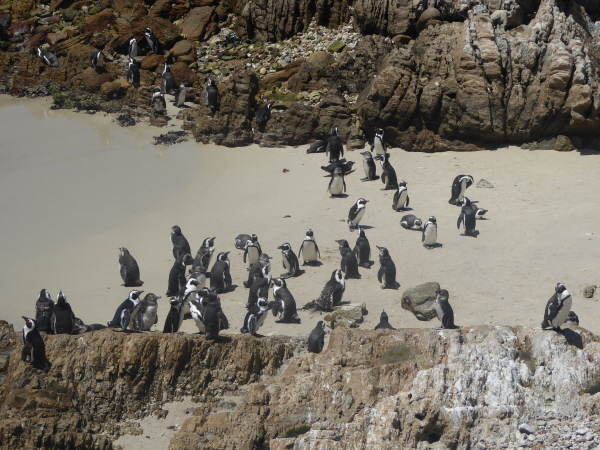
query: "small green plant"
62, 101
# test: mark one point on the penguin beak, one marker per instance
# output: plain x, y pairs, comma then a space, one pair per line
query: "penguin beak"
24, 318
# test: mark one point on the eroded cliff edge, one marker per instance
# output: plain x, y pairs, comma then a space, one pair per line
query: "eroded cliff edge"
368, 389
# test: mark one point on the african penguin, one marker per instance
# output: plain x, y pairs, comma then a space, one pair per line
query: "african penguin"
467, 219
47, 58
97, 59
572, 319
429, 236
255, 317
220, 275
459, 186
130, 271
197, 311
63, 319
133, 73
290, 261
199, 275
346, 167
151, 40
211, 96
369, 167
318, 147
168, 84
133, 47
43, 312
401, 200
263, 115
337, 185
349, 263
557, 308
173, 322
259, 289
180, 244
261, 269
180, 95
240, 241
214, 318
316, 338
204, 254
309, 249
177, 275
411, 222
34, 349
362, 249
478, 210
147, 313
356, 213
384, 323
388, 174
191, 287
444, 310
332, 293
126, 310
158, 103
387, 270
335, 148
252, 251
378, 143
284, 305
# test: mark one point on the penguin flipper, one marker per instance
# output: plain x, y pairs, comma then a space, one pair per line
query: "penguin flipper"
275, 308
26, 352
344, 182
125, 317
380, 274
252, 325
407, 201
461, 219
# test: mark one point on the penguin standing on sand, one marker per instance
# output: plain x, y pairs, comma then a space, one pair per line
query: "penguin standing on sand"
349, 263
204, 254
337, 185
133, 47
309, 249
180, 95
263, 115
126, 310
316, 338
369, 167
211, 96
284, 305
459, 186
290, 261
332, 293
467, 219
384, 323
388, 173
362, 249
220, 275
133, 73
356, 213
261, 269
387, 270
177, 275
255, 317
411, 222
130, 271
147, 313
214, 318
197, 309
259, 289
63, 319
151, 40
241, 240
174, 316
34, 349
401, 200
43, 312
168, 84
191, 287
97, 59
335, 148
252, 251
378, 143
444, 311
180, 244
47, 58
558, 308
429, 236
158, 104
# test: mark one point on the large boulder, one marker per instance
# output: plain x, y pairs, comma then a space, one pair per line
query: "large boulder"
420, 300
199, 24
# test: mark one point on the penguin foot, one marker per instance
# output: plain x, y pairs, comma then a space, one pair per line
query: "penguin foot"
285, 275
558, 330
383, 286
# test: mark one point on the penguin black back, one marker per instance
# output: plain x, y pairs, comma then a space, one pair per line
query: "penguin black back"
220, 275
255, 317
387, 271
214, 318
467, 218
388, 173
130, 271
180, 244
335, 148
168, 84
212, 96
349, 263
290, 261
263, 115
384, 323
284, 304
63, 319
443, 310
258, 289
172, 321
177, 275
362, 249
332, 293
316, 338
43, 312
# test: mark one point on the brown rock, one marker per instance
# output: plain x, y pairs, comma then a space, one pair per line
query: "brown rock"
199, 24
321, 58
283, 75
23, 26
55, 38
20, 7
431, 16
113, 90
93, 80
98, 22
151, 62
131, 10
183, 73
420, 300
184, 51
564, 144
170, 10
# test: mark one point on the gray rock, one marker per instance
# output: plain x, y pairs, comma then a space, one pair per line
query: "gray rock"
484, 184
420, 299
526, 429
588, 291
347, 316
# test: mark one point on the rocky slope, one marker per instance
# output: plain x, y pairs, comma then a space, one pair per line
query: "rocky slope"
368, 389
467, 73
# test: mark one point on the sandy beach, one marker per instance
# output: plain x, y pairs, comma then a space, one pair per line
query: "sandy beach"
75, 187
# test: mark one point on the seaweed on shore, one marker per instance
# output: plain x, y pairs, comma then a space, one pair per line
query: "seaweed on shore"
171, 137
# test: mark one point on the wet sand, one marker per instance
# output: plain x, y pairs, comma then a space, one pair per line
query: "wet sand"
75, 187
